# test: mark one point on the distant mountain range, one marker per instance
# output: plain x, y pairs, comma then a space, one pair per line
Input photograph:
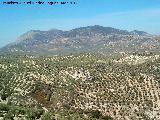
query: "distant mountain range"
84, 39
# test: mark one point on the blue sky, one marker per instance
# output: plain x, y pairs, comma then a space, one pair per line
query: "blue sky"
123, 14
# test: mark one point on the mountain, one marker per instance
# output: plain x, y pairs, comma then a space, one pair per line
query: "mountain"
136, 32
84, 39
40, 36
111, 74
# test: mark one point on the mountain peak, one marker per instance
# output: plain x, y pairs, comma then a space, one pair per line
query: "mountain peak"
137, 32
28, 35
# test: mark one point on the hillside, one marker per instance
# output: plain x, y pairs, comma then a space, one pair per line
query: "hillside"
84, 39
80, 87
87, 73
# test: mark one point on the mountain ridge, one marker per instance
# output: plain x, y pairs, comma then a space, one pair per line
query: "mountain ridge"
95, 28
83, 39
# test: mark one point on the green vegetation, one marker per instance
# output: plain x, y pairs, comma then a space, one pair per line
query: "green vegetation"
79, 87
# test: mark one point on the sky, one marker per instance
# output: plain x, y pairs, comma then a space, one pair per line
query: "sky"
122, 14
